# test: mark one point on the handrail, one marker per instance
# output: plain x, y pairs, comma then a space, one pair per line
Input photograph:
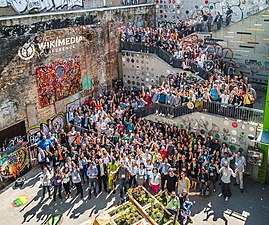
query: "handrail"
216, 108
168, 58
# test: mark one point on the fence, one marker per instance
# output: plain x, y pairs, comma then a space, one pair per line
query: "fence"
165, 56
216, 108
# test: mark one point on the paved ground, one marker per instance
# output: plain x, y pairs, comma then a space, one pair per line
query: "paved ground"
249, 208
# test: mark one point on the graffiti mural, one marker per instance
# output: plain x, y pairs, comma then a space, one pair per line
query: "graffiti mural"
12, 136
58, 80
53, 124
31, 6
241, 8
14, 161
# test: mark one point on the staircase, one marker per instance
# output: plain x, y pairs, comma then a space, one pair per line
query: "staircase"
248, 42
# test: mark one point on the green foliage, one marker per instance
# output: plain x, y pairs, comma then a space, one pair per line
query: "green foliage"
129, 218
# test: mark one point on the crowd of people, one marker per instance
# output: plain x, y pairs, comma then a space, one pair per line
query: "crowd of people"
224, 85
203, 21
106, 143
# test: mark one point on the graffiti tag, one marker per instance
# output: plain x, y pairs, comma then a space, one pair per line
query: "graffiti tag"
22, 6
54, 124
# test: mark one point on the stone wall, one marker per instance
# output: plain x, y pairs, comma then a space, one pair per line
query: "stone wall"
98, 49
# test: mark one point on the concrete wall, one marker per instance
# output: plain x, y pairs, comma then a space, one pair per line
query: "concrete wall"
12, 7
180, 9
249, 42
97, 47
235, 133
141, 68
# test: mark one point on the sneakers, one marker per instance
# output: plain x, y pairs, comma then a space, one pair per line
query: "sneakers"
220, 195
226, 199
214, 190
242, 190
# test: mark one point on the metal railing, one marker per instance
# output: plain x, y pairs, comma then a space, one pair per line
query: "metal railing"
216, 108
165, 56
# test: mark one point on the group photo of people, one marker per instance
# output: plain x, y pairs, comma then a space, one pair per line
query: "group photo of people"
106, 144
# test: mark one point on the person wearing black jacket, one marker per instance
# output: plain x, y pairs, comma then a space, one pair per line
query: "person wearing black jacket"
102, 175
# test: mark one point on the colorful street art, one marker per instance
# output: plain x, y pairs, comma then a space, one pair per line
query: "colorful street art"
8, 139
172, 10
31, 6
53, 124
58, 80
14, 161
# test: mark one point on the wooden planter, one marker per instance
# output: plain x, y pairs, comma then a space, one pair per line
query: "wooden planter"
113, 218
143, 209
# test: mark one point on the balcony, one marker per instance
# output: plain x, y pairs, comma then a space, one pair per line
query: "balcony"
216, 108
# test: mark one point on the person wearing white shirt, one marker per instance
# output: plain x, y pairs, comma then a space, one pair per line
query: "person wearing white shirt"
226, 173
224, 98
149, 166
66, 181
141, 175
45, 181
240, 165
132, 174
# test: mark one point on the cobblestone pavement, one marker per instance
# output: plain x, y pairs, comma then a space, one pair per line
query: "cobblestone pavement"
250, 207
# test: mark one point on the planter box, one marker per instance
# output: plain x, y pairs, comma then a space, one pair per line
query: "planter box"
144, 209
115, 213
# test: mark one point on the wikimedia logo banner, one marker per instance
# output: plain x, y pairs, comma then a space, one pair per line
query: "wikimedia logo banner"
28, 50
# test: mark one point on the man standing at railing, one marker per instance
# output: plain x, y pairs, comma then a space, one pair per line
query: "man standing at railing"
229, 14
218, 20
214, 93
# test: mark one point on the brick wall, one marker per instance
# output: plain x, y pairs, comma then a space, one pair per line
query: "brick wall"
98, 51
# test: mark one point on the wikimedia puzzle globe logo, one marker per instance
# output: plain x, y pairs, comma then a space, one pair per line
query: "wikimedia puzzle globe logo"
27, 51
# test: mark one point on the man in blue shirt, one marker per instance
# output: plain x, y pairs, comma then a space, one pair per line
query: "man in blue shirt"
214, 93
45, 144
92, 173
229, 13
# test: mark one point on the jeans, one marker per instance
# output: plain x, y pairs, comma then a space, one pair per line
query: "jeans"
213, 180
67, 188
132, 180
59, 189
187, 205
123, 187
92, 184
228, 20
83, 174
203, 188
44, 190
102, 179
79, 189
